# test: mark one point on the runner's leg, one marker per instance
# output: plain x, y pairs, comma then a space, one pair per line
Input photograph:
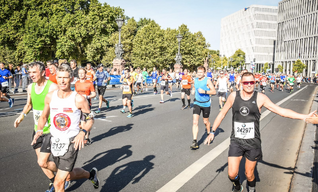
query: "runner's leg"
233, 170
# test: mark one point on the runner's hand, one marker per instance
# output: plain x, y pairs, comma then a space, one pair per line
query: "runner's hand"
209, 139
201, 91
18, 121
79, 141
36, 136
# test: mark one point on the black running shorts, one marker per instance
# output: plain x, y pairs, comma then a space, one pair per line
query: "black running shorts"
101, 90
138, 84
252, 154
197, 110
222, 94
67, 161
4, 89
43, 142
186, 91
164, 88
263, 87
128, 96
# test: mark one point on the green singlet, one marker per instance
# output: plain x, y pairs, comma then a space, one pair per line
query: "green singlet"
38, 103
291, 80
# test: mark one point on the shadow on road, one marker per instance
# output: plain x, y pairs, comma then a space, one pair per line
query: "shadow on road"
124, 174
113, 131
204, 136
143, 111
103, 160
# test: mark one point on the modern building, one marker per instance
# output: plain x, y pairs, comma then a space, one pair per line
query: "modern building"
254, 31
297, 36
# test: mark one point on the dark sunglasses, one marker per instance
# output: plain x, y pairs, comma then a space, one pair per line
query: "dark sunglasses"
248, 82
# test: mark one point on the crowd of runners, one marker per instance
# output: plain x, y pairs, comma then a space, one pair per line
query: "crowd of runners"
61, 102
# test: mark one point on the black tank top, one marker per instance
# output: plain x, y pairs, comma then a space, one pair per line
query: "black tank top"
245, 121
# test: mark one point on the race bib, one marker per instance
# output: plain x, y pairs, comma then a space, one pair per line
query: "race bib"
244, 130
36, 115
5, 84
264, 83
163, 83
184, 82
126, 88
59, 146
282, 80
154, 80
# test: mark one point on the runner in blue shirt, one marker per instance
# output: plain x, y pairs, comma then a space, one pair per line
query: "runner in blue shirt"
232, 80
5, 75
272, 79
101, 77
209, 74
282, 81
154, 76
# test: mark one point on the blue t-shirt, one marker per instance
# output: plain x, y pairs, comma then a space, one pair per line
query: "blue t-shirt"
282, 78
232, 77
101, 77
154, 75
209, 75
4, 73
24, 72
202, 100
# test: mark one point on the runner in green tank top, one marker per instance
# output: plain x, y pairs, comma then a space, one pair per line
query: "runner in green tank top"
37, 92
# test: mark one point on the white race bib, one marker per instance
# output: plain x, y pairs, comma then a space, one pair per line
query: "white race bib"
184, 82
36, 116
154, 80
5, 84
163, 83
264, 83
244, 130
59, 146
126, 88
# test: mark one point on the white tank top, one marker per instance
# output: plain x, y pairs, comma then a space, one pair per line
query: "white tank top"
223, 84
65, 116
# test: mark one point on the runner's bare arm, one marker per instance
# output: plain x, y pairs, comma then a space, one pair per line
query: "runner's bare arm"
263, 100
53, 87
44, 117
26, 109
92, 95
228, 105
212, 89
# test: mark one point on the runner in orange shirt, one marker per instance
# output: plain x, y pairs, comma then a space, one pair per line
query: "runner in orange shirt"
89, 72
86, 89
186, 82
52, 76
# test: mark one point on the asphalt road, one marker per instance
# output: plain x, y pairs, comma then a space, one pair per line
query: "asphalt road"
146, 152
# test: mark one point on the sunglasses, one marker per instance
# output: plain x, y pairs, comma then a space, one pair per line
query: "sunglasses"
248, 82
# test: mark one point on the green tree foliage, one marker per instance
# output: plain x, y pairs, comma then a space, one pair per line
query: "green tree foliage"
298, 66
265, 68
238, 59
142, 22
280, 68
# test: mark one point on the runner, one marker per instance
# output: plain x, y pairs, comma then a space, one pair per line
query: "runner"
75, 73
164, 84
222, 85
209, 74
298, 80
5, 75
202, 90
52, 75
186, 88
232, 80
154, 76
102, 77
257, 80
144, 77
86, 89
139, 80
291, 80
65, 108
282, 81
277, 81
134, 74
173, 77
263, 83
35, 100
128, 82
180, 78
272, 80
238, 81
245, 137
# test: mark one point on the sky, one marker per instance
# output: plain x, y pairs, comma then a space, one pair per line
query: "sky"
198, 15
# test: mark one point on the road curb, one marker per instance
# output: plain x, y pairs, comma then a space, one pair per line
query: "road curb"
303, 173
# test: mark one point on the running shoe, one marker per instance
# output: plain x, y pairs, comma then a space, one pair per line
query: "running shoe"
221, 109
171, 94
51, 188
240, 190
194, 145
95, 179
184, 107
130, 115
161, 101
67, 185
188, 107
95, 98
123, 111
98, 111
132, 103
107, 104
10, 103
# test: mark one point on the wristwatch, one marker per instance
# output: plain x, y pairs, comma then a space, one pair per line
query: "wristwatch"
84, 131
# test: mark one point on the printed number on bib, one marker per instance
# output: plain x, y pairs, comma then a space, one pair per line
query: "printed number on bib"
163, 83
126, 88
36, 115
154, 80
59, 146
184, 82
244, 130
4, 84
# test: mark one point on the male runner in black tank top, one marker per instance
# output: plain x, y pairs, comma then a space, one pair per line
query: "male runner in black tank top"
245, 137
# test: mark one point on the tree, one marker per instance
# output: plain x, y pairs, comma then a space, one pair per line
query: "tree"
280, 68
265, 68
238, 59
298, 66
142, 22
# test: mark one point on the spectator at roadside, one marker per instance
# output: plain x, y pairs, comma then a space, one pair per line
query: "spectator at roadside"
24, 77
17, 78
11, 80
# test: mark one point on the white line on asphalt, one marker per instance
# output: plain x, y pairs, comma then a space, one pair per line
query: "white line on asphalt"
182, 178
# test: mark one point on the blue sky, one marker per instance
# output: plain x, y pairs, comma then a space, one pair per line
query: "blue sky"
198, 15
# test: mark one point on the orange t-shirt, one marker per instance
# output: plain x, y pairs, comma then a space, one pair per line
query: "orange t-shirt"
257, 77
53, 78
84, 88
186, 81
90, 76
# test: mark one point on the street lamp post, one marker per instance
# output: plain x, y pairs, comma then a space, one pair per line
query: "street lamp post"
119, 62
178, 58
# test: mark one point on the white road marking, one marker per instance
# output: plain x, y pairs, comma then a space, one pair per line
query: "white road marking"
182, 178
